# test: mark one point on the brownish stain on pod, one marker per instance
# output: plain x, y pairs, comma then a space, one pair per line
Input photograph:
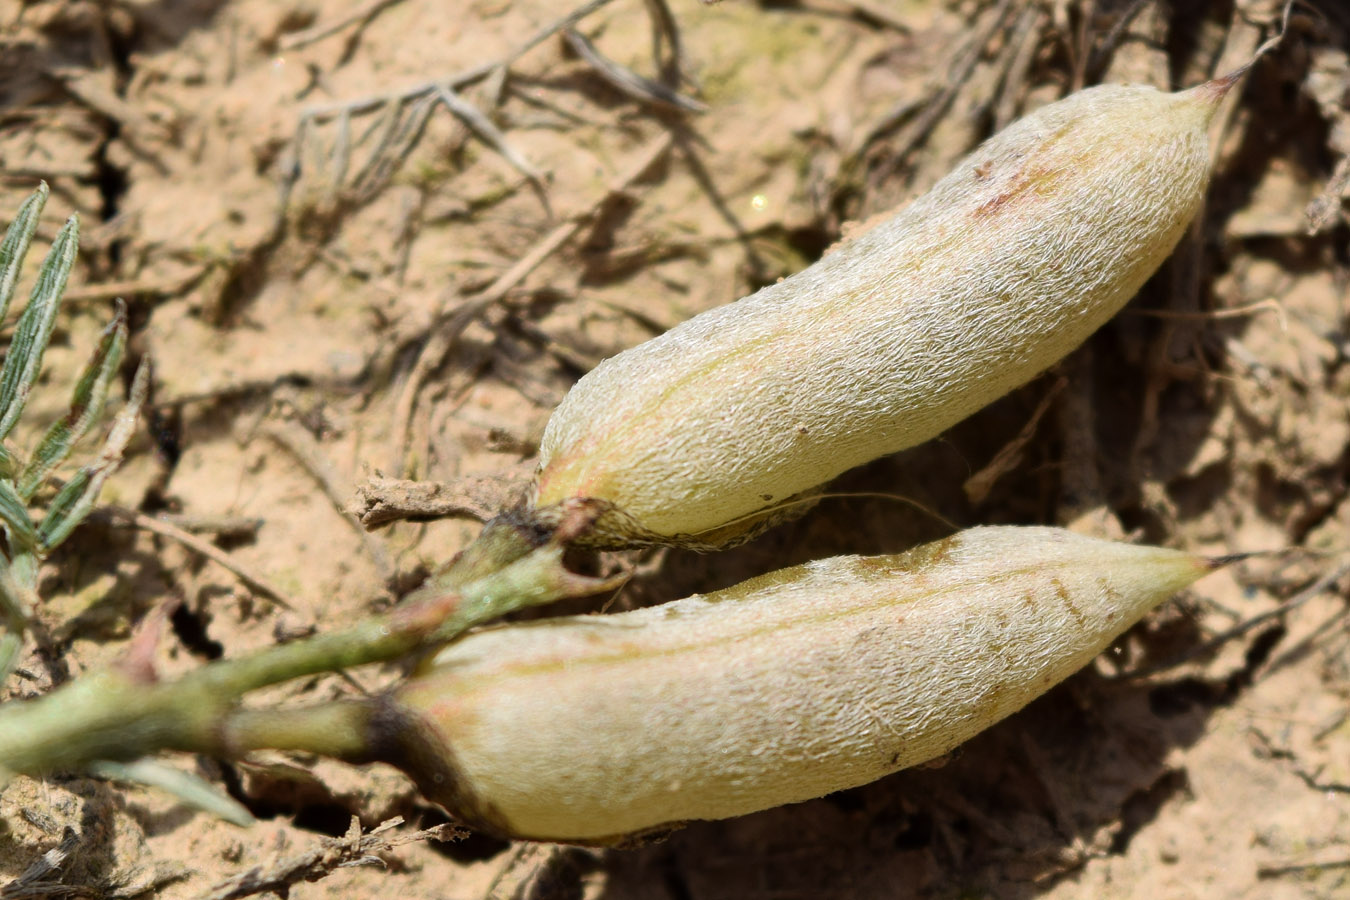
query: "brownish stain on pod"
1006, 265
789, 686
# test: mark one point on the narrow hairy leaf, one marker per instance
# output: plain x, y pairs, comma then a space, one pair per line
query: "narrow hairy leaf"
9, 466
18, 591
14, 515
17, 599
86, 405
74, 501
10, 644
15, 246
34, 330
184, 785
15, 605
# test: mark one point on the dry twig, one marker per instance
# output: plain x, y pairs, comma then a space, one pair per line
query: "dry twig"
628, 82
880, 13
362, 15
978, 486
1327, 206
450, 323
301, 445
1101, 54
395, 134
1027, 38
202, 548
457, 81
1274, 870
490, 134
666, 30
327, 856
1326, 582
383, 500
931, 109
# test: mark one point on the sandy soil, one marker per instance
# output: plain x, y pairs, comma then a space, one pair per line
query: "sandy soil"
293, 216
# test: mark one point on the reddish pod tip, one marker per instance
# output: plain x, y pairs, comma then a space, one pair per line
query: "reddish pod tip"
1207, 96
1218, 88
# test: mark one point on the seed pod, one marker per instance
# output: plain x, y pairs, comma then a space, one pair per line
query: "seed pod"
789, 686
1007, 264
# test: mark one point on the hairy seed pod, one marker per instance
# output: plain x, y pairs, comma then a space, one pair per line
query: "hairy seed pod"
789, 686
1007, 264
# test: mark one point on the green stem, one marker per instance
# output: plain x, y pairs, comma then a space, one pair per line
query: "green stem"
339, 729
11, 642
116, 715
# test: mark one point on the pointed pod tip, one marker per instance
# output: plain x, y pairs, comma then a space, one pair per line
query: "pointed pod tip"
1205, 98
1214, 563
1216, 89
1222, 84
1219, 87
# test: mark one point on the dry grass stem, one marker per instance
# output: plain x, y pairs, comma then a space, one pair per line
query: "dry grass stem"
204, 549
452, 322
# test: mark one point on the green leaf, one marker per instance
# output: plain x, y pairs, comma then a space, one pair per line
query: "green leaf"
17, 599
184, 785
34, 330
86, 405
10, 645
73, 502
14, 515
18, 589
9, 466
15, 246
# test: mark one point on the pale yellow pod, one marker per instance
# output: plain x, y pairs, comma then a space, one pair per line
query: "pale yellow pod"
1007, 264
789, 686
